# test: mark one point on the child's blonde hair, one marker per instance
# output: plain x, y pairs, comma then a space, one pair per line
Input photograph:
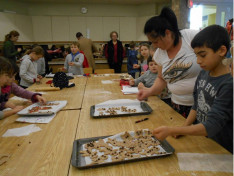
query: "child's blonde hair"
75, 44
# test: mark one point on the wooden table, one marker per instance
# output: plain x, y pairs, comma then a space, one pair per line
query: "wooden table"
48, 152
73, 95
162, 115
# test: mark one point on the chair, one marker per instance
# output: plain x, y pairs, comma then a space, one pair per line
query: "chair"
104, 71
88, 70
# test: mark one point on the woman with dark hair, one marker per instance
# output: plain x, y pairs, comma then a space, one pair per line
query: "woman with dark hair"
177, 62
9, 50
114, 52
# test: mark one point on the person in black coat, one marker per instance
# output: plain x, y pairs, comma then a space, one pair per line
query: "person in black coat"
114, 52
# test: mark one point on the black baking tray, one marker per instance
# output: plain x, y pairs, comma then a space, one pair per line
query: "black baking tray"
78, 160
146, 108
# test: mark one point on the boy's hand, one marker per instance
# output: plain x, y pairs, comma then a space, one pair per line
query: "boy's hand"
161, 133
71, 63
131, 82
18, 108
19, 49
136, 66
41, 99
141, 86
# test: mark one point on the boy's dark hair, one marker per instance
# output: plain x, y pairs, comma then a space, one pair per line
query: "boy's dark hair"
79, 34
132, 44
157, 25
6, 67
150, 59
213, 37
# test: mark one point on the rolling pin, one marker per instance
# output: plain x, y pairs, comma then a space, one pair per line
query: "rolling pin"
47, 89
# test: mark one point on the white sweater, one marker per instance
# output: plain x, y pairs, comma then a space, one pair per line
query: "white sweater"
28, 71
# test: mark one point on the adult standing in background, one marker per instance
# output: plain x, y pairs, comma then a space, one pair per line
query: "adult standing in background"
114, 52
9, 50
88, 47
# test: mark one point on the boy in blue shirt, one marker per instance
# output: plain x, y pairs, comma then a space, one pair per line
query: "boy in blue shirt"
132, 60
212, 111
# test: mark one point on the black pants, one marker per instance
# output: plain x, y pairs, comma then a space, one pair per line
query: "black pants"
116, 66
183, 110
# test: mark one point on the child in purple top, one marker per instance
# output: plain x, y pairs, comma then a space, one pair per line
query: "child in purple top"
7, 76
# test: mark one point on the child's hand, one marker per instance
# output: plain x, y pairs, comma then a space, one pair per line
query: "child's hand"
61, 69
19, 49
161, 133
141, 86
39, 76
18, 108
142, 73
41, 99
136, 66
131, 82
71, 63
38, 80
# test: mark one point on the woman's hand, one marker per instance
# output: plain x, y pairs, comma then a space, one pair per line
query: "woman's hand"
41, 99
143, 94
161, 133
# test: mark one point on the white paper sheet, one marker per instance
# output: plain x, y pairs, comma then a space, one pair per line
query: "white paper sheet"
36, 119
129, 90
23, 131
107, 82
118, 138
205, 162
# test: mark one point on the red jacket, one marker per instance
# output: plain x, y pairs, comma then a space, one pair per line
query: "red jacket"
85, 63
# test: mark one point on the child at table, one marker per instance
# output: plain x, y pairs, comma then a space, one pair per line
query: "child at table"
212, 111
7, 86
132, 60
148, 78
74, 61
28, 67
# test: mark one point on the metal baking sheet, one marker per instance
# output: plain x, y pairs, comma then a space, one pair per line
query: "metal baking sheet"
55, 109
78, 160
144, 106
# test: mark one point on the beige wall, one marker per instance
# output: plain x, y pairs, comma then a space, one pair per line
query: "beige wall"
21, 23
60, 22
